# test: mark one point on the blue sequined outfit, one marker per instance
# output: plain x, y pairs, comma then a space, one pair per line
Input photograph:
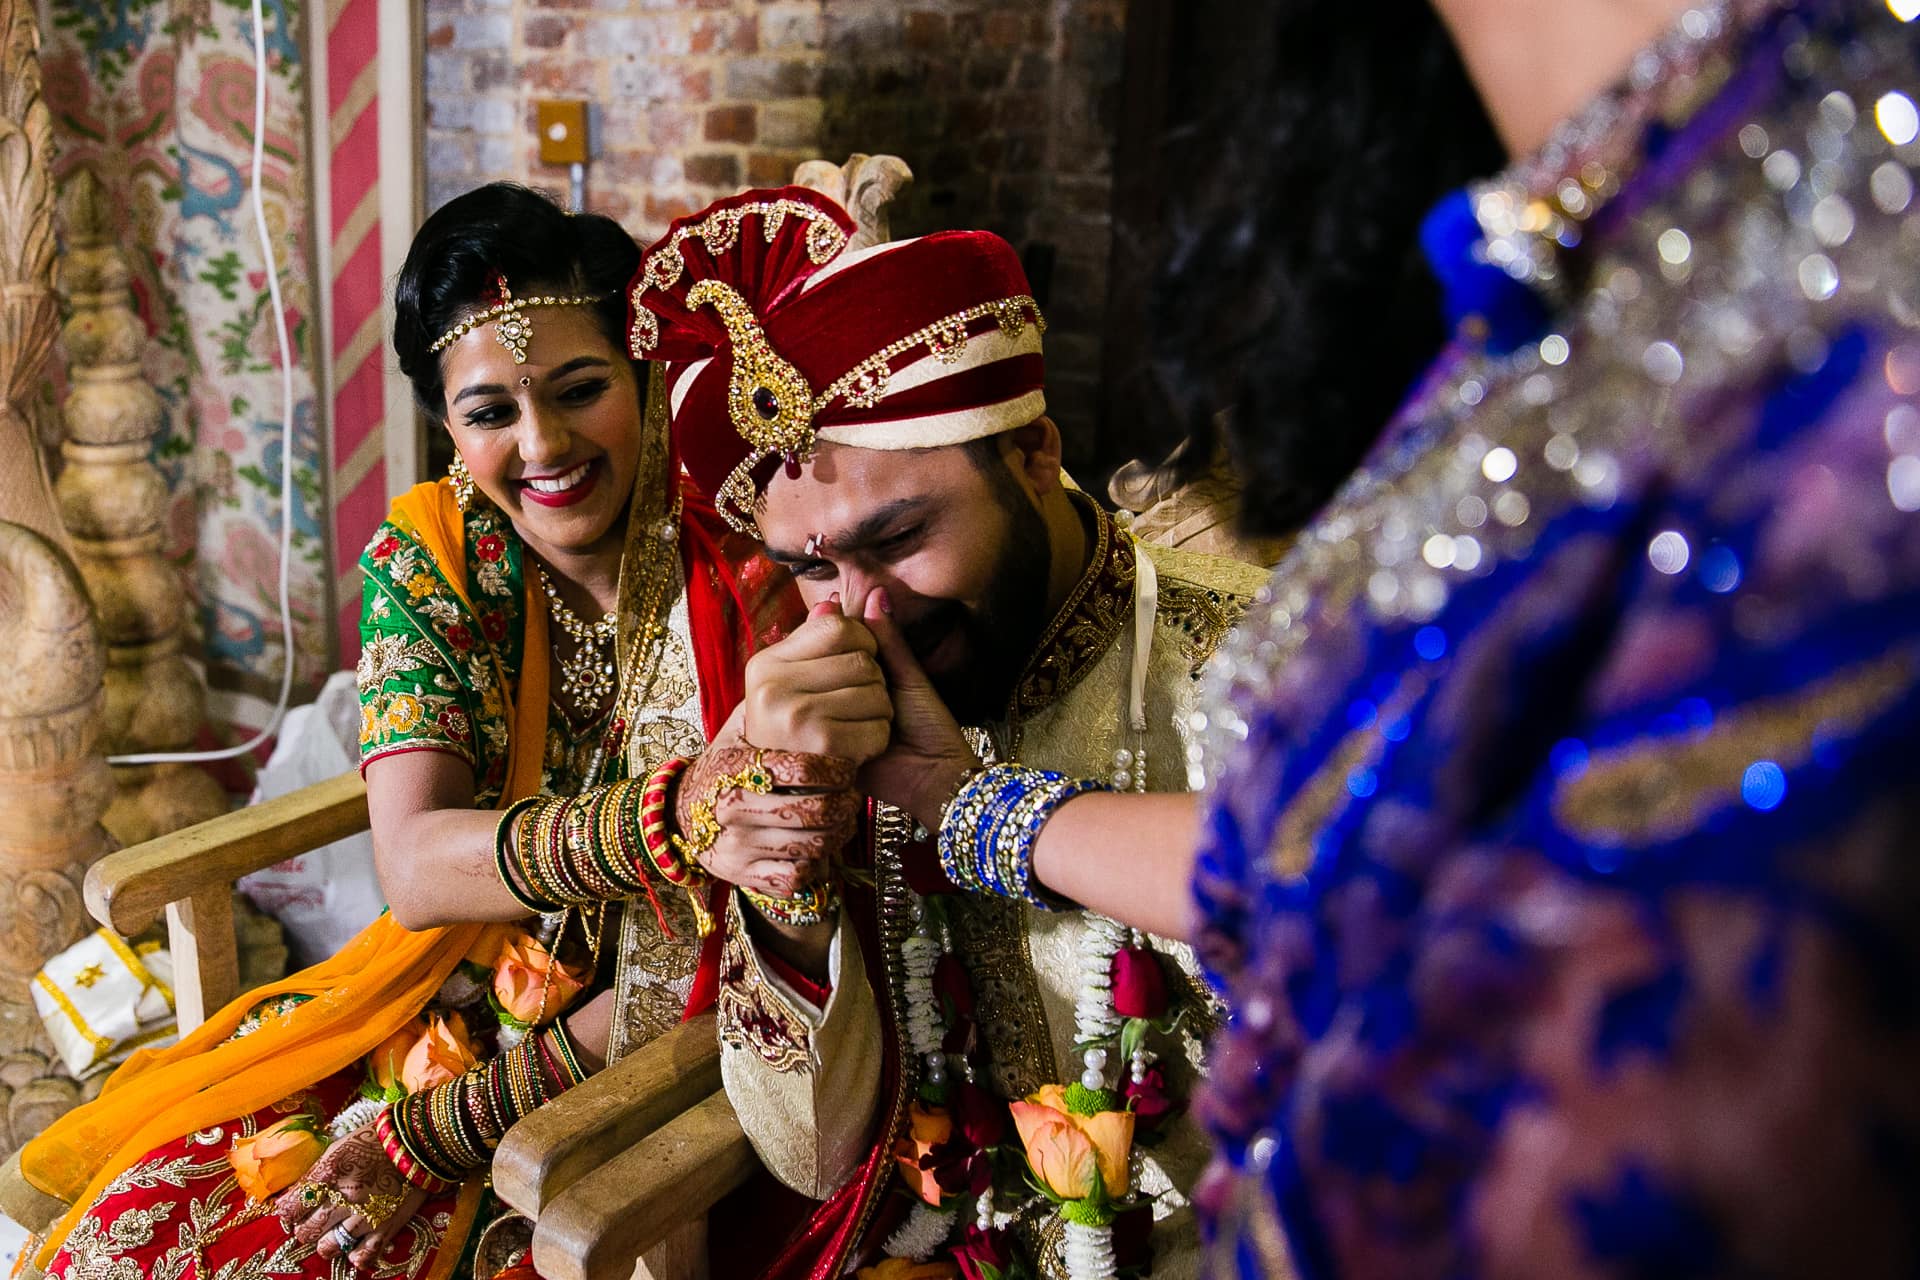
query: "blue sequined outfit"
1561, 856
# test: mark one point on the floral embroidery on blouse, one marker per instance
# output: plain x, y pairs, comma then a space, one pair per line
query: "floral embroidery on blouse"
436, 672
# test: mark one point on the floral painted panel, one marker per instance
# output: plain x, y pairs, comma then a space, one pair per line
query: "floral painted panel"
156, 97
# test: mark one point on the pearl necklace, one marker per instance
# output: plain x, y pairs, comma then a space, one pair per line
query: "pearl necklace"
589, 675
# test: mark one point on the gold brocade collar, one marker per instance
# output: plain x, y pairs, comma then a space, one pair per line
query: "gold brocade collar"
1088, 623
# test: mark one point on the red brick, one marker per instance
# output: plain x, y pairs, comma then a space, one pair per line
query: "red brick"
544, 31
713, 169
611, 203
576, 76
925, 31
731, 124
662, 209
1005, 29
724, 33
671, 128
773, 168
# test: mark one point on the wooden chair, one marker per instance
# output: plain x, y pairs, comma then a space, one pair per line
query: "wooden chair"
622, 1168
189, 875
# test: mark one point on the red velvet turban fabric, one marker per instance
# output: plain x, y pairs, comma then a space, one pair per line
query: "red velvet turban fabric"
775, 335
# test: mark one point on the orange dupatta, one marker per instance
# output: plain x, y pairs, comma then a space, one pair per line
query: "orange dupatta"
362, 995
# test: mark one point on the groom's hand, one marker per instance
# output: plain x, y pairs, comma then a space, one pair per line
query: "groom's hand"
820, 690
928, 756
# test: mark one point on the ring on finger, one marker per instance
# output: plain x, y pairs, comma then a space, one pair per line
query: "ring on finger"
343, 1238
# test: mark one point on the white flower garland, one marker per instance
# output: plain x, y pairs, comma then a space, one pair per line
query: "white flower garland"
925, 1230
927, 1227
359, 1112
1089, 1251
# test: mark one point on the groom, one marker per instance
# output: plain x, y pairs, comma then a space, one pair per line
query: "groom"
877, 418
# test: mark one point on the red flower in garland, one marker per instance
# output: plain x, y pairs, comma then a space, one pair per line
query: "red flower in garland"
1139, 984
489, 546
981, 1117
936, 1160
984, 1255
1152, 1105
952, 988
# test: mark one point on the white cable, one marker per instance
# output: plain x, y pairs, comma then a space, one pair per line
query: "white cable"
286, 429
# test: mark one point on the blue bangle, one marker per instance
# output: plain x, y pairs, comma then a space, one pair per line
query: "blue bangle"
989, 829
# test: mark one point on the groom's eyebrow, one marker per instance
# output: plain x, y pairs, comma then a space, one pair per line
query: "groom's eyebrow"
869, 529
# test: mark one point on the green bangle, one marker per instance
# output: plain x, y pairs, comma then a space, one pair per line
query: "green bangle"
502, 844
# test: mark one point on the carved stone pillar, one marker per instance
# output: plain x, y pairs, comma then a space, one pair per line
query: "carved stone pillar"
54, 783
113, 500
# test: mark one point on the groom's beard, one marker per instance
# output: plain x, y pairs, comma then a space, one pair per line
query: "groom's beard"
999, 635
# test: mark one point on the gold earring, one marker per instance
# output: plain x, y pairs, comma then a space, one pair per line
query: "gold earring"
462, 481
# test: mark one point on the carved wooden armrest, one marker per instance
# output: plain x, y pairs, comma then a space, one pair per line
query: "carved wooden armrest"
190, 873
648, 1204
127, 890
576, 1133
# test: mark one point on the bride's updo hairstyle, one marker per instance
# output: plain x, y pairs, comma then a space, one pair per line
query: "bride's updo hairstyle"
528, 239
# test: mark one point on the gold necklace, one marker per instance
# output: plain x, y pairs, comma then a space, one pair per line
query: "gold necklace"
589, 675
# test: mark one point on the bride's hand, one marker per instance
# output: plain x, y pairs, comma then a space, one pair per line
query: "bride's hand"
777, 843
353, 1183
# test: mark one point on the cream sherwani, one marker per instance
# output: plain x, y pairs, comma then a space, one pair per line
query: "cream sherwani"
804, 1079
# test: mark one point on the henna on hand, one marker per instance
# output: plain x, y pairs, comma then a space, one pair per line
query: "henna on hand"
357, 1168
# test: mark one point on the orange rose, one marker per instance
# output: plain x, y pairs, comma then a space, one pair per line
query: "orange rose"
908, 1269
530, 986
276, 1157
1065, 1149
927, 1128
384, 1063
442, 1053
486, 947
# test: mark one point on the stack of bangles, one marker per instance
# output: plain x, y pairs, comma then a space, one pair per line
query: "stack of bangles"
988, 829
440, 1136
553, 852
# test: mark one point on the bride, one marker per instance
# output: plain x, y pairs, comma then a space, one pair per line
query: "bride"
549, 636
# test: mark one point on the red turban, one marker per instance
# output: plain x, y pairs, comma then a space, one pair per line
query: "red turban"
774, 335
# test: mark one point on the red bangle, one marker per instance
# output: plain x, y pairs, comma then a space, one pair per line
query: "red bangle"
654, 833
396, 1153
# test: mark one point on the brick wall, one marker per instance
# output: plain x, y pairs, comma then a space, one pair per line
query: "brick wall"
1004, 110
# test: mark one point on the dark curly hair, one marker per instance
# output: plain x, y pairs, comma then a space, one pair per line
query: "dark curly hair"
527, 238
1296, 297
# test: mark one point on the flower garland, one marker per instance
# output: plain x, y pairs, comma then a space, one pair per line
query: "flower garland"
952, 1148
